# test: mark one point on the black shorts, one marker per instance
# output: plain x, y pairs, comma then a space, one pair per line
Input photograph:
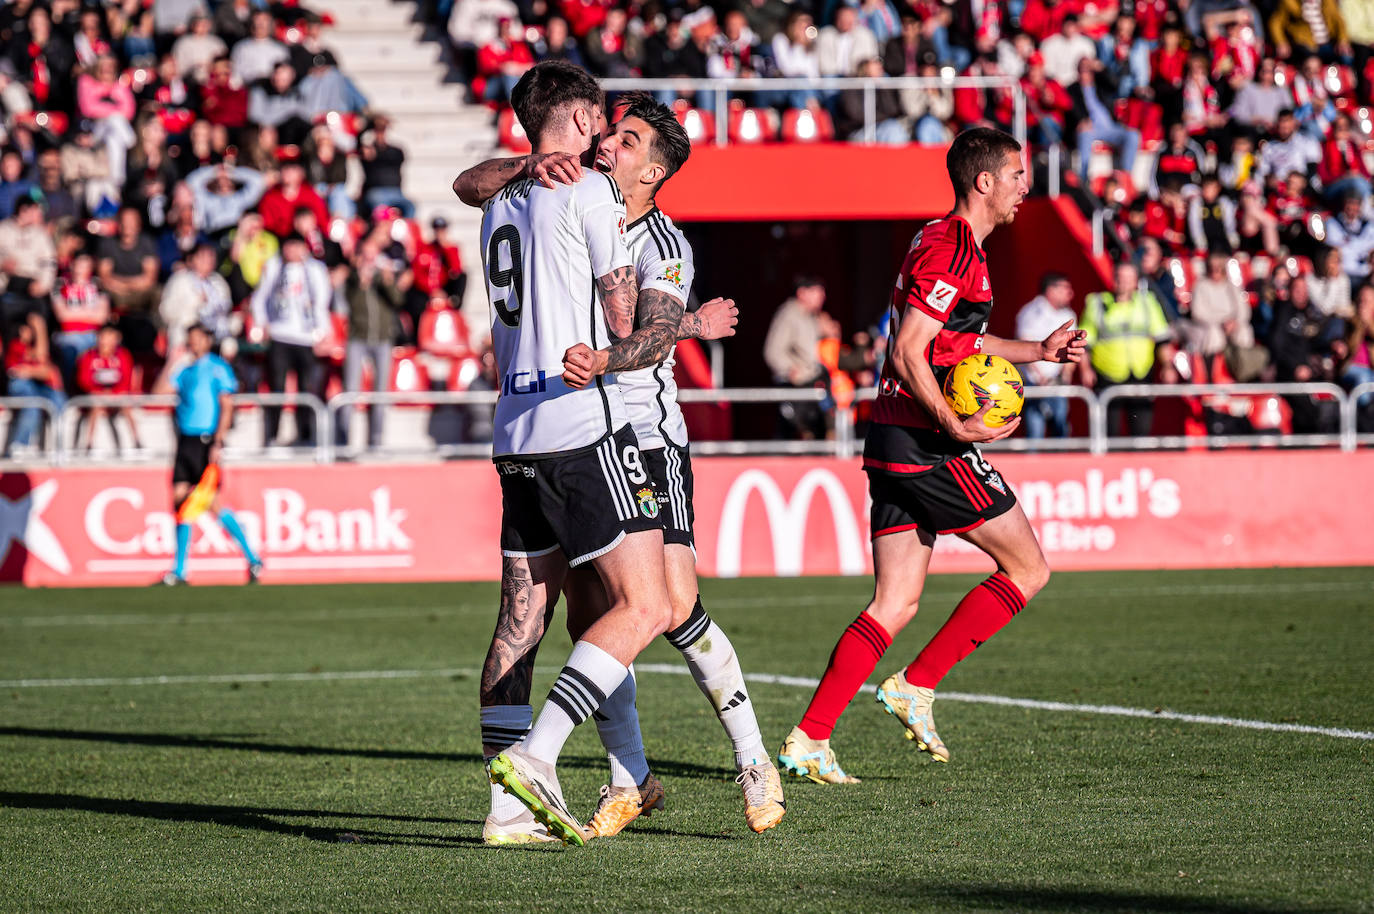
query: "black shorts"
583, 502
671, 469
192, 457
922, 480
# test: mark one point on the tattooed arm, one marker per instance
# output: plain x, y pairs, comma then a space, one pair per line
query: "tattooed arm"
658, 317
712, 321
620, 298
481, 182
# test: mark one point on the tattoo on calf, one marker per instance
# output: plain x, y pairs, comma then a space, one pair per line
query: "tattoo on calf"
508, 673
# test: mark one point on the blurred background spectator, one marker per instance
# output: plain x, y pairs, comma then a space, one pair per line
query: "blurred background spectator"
792, 352
1038, 318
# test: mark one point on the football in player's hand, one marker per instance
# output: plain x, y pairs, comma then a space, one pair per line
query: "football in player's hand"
985, 379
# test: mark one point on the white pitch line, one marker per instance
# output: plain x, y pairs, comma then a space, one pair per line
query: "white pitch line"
193, 679
401, 612
800, 682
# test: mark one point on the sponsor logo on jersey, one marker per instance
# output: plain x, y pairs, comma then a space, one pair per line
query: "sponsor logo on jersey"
648, 502
942, 296
524, 382
985, 284
621, 224
673, 274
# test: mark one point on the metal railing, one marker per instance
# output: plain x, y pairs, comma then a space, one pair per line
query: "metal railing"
12, 406
753, 432
1350, 429
160, 438
1103, 442
722, 88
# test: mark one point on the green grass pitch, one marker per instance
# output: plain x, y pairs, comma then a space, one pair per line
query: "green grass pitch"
220, 790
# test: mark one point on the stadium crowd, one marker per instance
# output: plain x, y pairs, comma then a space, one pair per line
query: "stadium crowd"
165, 164
1248, 223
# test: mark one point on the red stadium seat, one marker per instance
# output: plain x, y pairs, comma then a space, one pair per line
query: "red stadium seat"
443, 332
463, 372
753, 126
1127, 191
699, 123
511, 134
804, 125
408, 373
1183, 275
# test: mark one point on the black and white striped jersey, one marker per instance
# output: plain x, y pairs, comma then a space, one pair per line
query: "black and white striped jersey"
542, 252
663, 261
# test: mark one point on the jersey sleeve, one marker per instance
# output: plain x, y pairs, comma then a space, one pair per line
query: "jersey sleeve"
670, 274
602, 211
939, 276
225, 382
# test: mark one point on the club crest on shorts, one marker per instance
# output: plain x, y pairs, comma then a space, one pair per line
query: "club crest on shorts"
994, 479
648, 502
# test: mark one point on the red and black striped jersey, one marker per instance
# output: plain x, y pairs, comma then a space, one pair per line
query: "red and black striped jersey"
944, 275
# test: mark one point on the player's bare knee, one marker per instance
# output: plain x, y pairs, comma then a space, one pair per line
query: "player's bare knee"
1031, 579
893, 613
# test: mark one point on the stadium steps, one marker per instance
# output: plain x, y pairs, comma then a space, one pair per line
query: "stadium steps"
404, 70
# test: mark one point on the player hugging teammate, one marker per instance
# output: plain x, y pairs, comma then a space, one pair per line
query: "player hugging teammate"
588, 284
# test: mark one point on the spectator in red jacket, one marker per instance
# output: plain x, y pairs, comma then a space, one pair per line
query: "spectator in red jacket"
1043, 18
279, 205
438, 266
1046, 101
108, 368
224, 100
80, 308
31, 374
1342, 167
501, 63
1168, 66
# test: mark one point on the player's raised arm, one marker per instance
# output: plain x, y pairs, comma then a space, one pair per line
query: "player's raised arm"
918, 330
1063, 345
481, 182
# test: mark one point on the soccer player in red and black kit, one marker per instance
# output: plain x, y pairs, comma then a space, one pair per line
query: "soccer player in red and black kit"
926, 475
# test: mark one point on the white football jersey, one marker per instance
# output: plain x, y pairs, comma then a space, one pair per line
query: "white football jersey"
663, 261
542, 252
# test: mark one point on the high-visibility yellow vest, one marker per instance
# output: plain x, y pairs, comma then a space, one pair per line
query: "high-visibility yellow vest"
1123, 334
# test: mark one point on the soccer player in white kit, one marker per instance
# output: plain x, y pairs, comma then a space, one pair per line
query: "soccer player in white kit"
573, 485
645, 149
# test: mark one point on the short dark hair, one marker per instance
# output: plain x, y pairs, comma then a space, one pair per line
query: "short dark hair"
975, 151
670, 146
1052, 278
543, 94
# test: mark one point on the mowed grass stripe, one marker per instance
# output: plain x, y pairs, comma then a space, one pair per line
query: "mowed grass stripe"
668, 669
932, 592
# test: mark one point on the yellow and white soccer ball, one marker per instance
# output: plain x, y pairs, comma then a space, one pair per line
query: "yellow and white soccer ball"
981, 379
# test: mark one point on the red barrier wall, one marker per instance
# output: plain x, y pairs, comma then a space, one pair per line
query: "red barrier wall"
773, 516
809, 182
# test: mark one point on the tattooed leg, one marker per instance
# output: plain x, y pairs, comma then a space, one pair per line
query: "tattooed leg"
529, 592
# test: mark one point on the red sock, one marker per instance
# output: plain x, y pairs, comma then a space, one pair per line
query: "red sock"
856, 654
979, 616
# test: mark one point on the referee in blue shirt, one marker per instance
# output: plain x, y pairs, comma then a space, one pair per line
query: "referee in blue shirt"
203, 414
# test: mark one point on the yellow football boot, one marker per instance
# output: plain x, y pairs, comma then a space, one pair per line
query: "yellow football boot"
804, 757
911, 705
764, 805
619, 806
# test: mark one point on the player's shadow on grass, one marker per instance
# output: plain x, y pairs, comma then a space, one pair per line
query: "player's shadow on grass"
264, 819
662, 767
1051, 900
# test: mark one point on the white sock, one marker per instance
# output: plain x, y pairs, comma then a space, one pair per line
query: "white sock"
589, 676
504, 726
711, 658
617, 720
